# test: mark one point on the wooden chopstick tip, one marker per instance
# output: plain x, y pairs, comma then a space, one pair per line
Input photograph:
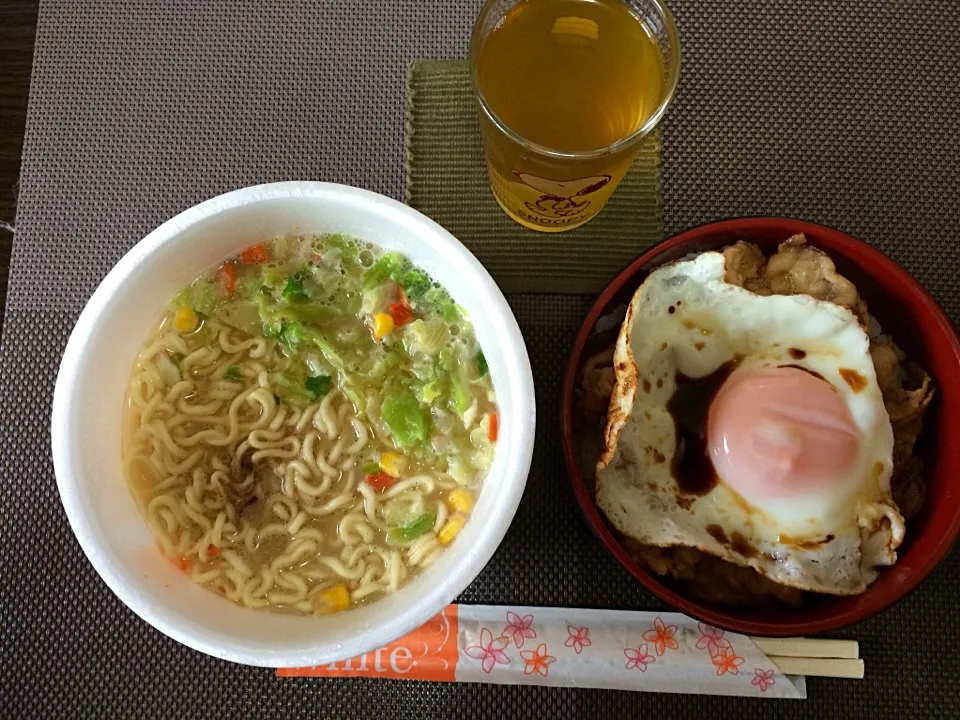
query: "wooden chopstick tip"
809, 647
819, 667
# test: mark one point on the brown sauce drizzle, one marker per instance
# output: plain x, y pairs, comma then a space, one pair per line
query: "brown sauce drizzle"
740, 544
691, 465
717, 533
855, 380
736, 542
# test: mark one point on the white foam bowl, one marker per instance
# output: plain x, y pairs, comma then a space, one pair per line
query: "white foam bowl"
95, 370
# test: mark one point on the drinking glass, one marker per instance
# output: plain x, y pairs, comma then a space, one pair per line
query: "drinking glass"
551, 190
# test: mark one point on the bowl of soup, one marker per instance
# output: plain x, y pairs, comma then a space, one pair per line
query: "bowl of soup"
293, 423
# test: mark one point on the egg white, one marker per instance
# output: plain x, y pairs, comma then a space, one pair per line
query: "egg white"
686, 319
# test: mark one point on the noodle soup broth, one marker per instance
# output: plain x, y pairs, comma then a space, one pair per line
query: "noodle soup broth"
309, 425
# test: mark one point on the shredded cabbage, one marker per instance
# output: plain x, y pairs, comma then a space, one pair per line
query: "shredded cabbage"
169, 373
426, 337
460, 470
377, 299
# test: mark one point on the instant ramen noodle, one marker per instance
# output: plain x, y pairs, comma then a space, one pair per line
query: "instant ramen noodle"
309, 425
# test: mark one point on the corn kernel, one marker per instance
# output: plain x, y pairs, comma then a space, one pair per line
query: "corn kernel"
393, 464
460, 500
332, 600
185, 320
451, 528
382, 325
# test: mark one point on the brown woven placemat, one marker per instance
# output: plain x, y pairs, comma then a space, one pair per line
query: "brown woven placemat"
447, 180
839, 112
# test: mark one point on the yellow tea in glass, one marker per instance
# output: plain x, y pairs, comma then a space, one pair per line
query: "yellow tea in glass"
567, 88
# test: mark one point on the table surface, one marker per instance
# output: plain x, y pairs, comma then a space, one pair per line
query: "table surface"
140, 109
18, 23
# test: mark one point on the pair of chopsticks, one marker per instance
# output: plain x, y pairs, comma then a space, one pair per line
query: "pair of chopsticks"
810, 656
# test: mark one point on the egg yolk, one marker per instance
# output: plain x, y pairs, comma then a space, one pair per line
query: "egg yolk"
780, 432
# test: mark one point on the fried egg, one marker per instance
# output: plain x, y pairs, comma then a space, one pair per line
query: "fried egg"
752, 428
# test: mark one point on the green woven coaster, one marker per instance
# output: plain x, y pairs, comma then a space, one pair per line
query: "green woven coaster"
447, 181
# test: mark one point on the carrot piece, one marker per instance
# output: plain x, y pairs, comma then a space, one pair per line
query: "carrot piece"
400, 311
254, 254
381, 482
181, 562
227, 277
494, 427
213, 550
401, 314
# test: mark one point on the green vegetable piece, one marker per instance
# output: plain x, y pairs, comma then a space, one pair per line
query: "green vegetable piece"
382, 270
437, 302
452, 312
429, 392
331, 355
415, 282
204, 297
414, 529
290, 390
233, 373
384, 364
460, 470
241, 314
267, 310
371, 468
459, 385
427, 368
293, 289
272, 329
482, 366
401, 412
311, 313
460, 397
318, 385
181, 299
273, 278
292, 335
349, 250
358, 400
426, 337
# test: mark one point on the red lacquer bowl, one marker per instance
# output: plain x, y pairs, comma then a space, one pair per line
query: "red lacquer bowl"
919, 326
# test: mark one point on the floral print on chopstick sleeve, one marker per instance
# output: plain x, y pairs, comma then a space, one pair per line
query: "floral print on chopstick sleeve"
638, 658
661, 636
763, 679
626, 650
720, 649
537, 661
519, 628
490, 651
577, 638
